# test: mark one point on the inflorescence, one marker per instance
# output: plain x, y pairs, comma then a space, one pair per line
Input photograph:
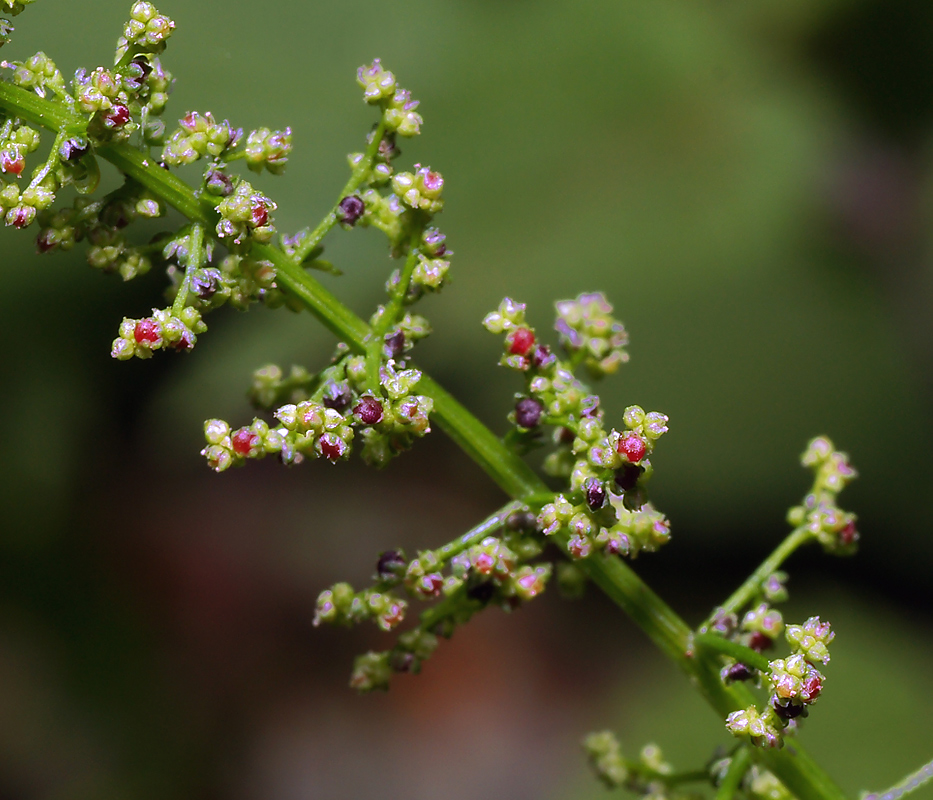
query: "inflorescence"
368, 396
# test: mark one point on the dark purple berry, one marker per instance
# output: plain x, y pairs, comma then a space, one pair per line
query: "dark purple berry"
528, 412
595, 493
788, 709
481, 592
627, 476
351, 209
337, 396
394, 344
737, 672
368, 410
760, 641
74, 149
391, 565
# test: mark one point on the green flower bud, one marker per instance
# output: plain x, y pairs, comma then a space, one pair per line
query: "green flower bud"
269, 149
555, 515
765, 620
509, 316
420, 190
586, 324
371, 671
811, 639
795, 678
758, 727
378, 84
147, 31
605, 757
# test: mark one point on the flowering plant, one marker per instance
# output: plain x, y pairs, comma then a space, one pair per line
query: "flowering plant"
593, 510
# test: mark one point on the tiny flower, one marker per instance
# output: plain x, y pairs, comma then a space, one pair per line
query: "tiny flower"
632, 446
811, 639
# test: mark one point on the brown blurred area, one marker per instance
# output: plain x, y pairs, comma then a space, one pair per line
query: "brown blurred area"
751, 186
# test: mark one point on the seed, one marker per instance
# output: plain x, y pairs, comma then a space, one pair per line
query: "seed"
351, 208
528, 412
520, 342
369, 410
632, 447
147, 331
595, 493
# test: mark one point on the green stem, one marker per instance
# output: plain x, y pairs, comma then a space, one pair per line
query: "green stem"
392, 310
360, 172
194, 261
906, 786
741, 653
741, 761
616, 578
752, 585
477, 533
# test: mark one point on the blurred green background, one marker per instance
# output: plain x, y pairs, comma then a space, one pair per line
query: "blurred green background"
751, 185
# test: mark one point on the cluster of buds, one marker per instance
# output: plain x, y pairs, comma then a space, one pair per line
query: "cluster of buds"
649, 776
271, 387
245, 214
16, 141
198, 136
239, 280
340, 605
380, 88
420, 190
762, 625
374, 670
794, 684
146, 31
610, 528
589, 332
820, 513
163, 330
39, 74
269, 149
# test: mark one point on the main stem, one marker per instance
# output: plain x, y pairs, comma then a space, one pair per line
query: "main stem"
612, 575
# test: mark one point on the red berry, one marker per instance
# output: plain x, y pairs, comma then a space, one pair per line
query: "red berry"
848, 535
259, 214
118, 117
520, 342
147, 331
369, 410
332, 447
632, 446
12, 162
244, 440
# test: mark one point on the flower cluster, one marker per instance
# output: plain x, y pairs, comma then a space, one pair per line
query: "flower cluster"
146, 31
819, 513
163, 330
590, 333
380, 87
794, 684
650, 776
481, 569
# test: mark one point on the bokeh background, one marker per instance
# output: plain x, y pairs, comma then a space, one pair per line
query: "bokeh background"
750, 183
